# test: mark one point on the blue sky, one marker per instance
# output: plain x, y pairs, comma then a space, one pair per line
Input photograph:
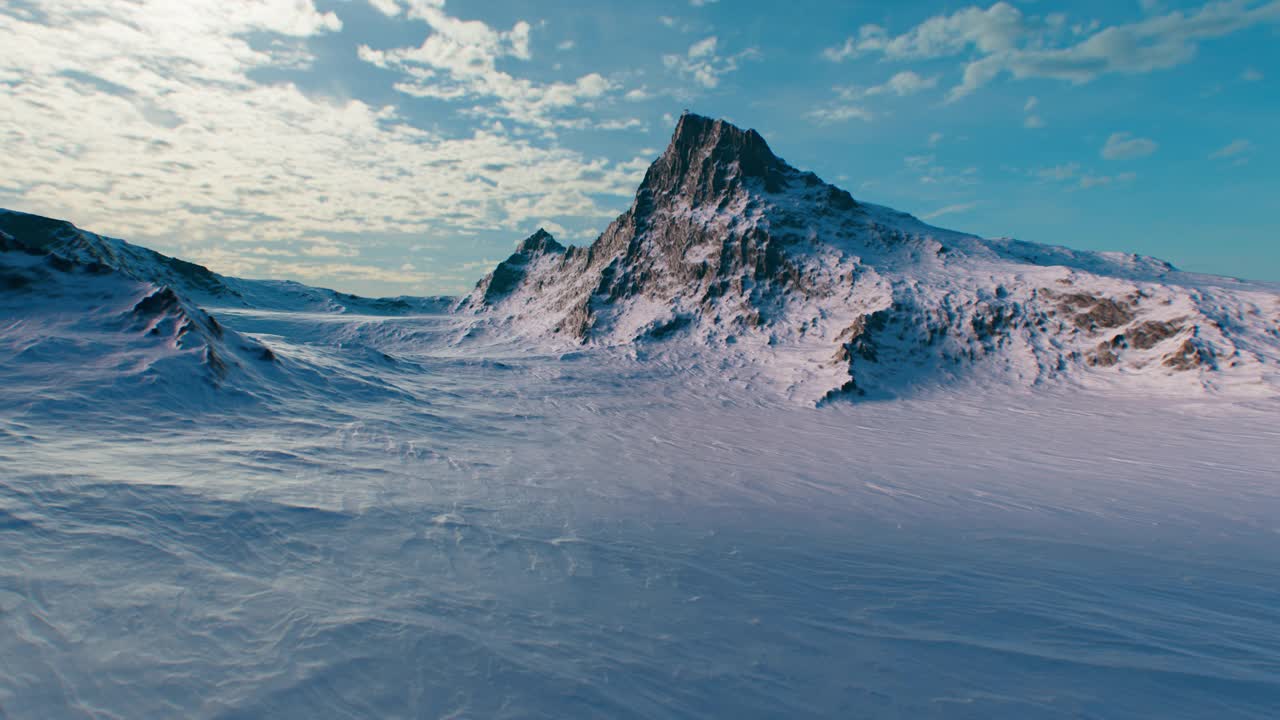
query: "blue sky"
403, 146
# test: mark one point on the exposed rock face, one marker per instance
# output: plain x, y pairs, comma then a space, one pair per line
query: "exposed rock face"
726, 245
701, 239
706, 157
510, 272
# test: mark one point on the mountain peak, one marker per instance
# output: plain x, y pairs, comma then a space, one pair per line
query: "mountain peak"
540, 241
697, 132
706, 155
728, 246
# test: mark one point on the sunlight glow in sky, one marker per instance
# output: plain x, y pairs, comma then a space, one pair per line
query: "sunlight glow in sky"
403, 146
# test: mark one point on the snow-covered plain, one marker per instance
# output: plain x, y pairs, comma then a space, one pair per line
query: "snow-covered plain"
415, 527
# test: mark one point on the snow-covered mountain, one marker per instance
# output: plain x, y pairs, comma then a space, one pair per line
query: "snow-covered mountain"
732, 261
726, 246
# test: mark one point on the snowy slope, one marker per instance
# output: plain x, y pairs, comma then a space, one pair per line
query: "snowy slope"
82, 331
782, 276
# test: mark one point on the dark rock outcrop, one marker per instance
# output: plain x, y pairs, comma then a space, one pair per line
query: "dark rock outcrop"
510, 272
665, 248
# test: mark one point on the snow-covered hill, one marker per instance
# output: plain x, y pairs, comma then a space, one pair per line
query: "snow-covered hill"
75, 329
86, 319
193, 282
727, 247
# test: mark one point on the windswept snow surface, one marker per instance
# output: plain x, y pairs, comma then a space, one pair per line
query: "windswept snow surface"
420, 528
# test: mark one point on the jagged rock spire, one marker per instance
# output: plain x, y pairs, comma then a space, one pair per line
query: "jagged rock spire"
510, 272
539, 242
705, 156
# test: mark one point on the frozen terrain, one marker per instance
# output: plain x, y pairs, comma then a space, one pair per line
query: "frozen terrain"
760, 451
489, 533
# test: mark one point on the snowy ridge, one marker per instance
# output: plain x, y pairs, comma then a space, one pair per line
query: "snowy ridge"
784, 277
90, 320
76, 329
194, 282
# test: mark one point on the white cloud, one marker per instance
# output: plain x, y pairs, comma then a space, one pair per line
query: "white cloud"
621, 124
1059, 172
390, 8
1071, 171
1097, 181
1232, 149
326, 248
146, 120
1032, 120
995, 29
459, 60
346, 272
1007, 42
703, 48
268, 252
704, 65
904, 83
935, 138
1252, 75
929, 172
949, 210
919, 162
1091, 181
1124, 146
840, 113
848, 105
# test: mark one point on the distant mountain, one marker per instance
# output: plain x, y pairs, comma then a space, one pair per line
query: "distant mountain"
726, 246
86, 315
71, 317
194, 282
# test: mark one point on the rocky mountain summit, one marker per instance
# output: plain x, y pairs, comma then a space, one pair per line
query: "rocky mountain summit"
727, 246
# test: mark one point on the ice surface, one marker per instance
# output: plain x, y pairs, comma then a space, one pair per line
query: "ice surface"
406, 526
